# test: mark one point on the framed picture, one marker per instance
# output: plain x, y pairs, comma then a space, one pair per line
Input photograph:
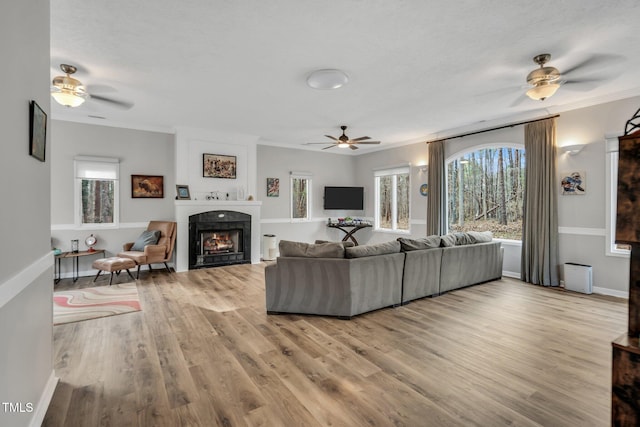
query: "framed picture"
273, 187
218, 166
37, 131
147, 186
183, 192
573, 183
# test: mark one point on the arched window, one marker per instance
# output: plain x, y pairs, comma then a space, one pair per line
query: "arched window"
485, 191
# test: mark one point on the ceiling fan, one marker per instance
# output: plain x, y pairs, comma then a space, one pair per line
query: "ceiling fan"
544, 81
70, 92
343, 141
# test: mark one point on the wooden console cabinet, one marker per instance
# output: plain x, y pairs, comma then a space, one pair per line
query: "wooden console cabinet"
625, 378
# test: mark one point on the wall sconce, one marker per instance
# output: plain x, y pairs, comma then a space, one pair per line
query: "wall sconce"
423, 168
572, 150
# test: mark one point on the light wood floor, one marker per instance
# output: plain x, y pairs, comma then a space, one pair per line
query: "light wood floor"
202, 352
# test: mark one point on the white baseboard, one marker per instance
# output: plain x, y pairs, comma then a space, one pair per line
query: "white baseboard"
610, 292
92, 273
45, 399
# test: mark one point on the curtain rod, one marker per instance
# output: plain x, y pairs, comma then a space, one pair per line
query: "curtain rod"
494, 128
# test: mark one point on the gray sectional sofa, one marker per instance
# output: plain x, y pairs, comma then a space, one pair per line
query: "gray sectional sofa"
331, 279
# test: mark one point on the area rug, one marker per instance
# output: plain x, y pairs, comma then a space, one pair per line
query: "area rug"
91, 303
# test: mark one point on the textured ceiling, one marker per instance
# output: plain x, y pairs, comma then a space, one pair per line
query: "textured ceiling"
417, 68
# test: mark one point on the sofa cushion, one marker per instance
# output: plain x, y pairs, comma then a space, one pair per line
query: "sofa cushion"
311, 250
447, 240
472, 237
346, 244
148, 237
373, 250
429, 242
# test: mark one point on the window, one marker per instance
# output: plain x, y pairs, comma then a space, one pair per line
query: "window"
96, 191
612, 249
300, 198
485, 192
392, 207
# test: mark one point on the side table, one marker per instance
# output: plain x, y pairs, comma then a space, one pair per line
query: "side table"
349, 234
74, 260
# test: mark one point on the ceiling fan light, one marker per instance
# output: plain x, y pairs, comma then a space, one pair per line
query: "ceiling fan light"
67, 98
343, 145
327, 79
541, 92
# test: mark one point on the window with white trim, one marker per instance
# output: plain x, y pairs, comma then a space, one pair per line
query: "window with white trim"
611, 170
392, 199
300, 197
96, 191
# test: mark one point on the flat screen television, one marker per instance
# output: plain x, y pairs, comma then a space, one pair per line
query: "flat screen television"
344, 198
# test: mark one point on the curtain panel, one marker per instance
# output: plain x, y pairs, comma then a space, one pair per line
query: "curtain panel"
540, 226
436, 201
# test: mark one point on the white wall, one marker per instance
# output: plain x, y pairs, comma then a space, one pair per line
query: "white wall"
26, 369
192, 143
139, 152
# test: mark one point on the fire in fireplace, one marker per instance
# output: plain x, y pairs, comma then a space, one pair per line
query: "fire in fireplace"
219, 242
219, 238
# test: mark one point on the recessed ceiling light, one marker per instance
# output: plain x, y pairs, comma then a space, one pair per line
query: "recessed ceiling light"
327, 79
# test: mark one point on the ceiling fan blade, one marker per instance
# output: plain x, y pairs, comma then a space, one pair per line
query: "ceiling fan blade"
331, 146
368, 142
124, 105
582, 84
519, 100
362, 138
332, 137
591, 62
353, 147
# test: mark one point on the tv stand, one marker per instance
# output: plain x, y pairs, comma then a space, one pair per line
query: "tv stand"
349, 234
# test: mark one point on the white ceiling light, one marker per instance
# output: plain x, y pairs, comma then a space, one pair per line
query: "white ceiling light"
327, 79
542, 91
66, 90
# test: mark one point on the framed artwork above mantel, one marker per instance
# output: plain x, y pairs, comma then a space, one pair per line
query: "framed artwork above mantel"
219, 166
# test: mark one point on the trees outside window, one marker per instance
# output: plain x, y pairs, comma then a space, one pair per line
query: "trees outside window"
485, 192
392, 199
97, 191
300, 198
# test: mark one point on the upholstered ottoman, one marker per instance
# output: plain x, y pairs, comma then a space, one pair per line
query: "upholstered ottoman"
113, 265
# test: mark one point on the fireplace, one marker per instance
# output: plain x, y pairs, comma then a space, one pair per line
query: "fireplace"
219, 238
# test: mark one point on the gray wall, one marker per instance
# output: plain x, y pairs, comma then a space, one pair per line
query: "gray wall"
366, 164
26, 369
582, 218
325, 168
140, 153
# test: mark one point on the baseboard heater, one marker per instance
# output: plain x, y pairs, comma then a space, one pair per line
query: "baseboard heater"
578, 277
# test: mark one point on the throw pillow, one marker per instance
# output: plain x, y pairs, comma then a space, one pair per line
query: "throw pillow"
463, 239
429, 242
148, 237
311, 250
373, 250
480, 236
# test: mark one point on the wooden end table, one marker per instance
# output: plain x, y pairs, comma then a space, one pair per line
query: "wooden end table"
74, 256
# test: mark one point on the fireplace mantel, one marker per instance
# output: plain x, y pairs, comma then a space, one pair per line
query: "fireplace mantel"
186, 208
